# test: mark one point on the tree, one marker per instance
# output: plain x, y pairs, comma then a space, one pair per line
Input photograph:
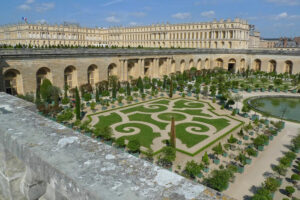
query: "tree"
192, 168
45, 90
218, 149
114, 91
232, 139
128, 89
97, 95
77, 104
219, 179
167, 156
205, 159
289, 190
37, 96
237, 98
173, 134
171, 89
134, 145
262, 194
105, 132
271, 184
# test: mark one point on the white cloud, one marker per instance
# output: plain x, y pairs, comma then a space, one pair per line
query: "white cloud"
285, 2
210, 13
184, 15
41, 21
29, 1
24, 7
112, 2
112, 19
44, 7
282, 15
132, 23
138, 14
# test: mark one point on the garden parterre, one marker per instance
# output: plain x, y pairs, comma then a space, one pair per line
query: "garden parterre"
150, 122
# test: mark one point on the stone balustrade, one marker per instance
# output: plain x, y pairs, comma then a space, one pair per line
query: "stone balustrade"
41, 159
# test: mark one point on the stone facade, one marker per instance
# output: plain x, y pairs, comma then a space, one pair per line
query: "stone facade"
22, 70
41, 159
230, 34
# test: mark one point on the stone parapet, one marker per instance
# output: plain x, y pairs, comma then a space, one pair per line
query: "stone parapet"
47, 53
46, 160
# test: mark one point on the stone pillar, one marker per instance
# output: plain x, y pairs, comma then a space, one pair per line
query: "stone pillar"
11, 173
125, 70
32, 186
141, 65
120, 70
155, 68
169, 70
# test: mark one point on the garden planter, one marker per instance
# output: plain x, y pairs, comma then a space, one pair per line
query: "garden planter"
113, 106
260, 148
246, 115
239, 142
248, 161
277, 90
200, 175
267, 122
225, 154
162, 95
260, 125
136, 100
235, 90
150, 97
246, 137
137, 154
217, 161
232, 147
249, 90
294, 91
206, 169
271, 137
237, 111
120, 104
266, 142
254, 117
279, 181
262, 89
240, 169
104, 108
297, 150
189, 94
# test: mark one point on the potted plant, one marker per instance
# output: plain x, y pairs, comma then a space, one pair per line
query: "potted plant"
289, 190
295, 178
218, 150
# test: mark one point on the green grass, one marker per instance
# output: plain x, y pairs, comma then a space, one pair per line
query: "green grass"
108, 120
145, 135
188, 138
168, 116
190, 104
193, 112
219, 124
147, 118
164, 102
146, 110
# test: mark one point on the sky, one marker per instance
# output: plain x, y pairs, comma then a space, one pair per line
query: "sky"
273, 18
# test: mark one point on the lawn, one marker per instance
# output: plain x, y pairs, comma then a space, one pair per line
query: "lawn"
151, 109
197, 112
164, 102
145, 135
187, 104
168, 116
188, 138
218, 123
109, 120
147, 118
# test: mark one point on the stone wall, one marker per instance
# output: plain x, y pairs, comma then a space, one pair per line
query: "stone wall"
41, 159
26, 63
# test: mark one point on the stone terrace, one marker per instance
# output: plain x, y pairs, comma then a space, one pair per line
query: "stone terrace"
50, 161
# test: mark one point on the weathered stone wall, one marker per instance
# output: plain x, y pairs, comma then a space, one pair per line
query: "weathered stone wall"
41, 159
28, 61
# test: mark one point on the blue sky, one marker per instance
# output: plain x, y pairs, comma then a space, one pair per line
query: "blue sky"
273, 18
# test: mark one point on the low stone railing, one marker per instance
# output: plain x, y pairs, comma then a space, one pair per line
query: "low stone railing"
41, 159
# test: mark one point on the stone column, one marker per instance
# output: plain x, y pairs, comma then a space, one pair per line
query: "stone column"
11, 173
155, 67
141, 67
169, 60
125, 70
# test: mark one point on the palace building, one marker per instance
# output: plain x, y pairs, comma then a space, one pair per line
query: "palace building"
222, 34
